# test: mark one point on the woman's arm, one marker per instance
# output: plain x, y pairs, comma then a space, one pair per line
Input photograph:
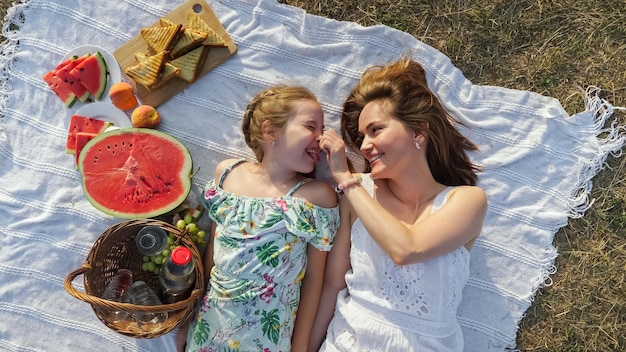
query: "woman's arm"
456, 224
337, 264
309, 298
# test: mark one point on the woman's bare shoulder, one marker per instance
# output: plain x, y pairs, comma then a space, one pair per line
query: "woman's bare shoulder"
469, 195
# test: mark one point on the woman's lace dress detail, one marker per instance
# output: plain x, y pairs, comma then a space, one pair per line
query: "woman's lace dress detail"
398, 308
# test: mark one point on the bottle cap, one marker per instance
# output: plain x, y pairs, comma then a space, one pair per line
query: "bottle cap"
181, 255
151, 240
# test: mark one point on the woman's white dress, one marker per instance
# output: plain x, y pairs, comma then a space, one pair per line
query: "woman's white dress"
386, 307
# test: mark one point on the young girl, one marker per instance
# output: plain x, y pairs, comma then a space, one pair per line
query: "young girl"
272, 228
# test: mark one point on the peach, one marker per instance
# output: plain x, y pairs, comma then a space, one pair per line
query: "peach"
145, 116
122, 96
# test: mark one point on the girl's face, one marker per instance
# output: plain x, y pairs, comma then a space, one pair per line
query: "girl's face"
387, 143
298, 143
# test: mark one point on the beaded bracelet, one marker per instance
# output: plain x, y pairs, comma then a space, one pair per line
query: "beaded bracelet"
347, 184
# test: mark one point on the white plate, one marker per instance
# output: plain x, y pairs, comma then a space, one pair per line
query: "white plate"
112, 66
104, 111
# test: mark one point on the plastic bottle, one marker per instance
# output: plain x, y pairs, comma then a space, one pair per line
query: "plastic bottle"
177, 275
117, 290
151, 240
143, 295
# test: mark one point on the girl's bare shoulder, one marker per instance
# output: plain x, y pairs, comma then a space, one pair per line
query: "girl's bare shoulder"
319, 193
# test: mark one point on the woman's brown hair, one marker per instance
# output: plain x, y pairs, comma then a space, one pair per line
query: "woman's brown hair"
402, 86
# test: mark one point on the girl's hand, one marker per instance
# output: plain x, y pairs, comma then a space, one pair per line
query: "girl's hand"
335, 149
181, 338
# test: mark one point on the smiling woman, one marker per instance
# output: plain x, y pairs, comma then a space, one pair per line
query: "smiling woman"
418, 211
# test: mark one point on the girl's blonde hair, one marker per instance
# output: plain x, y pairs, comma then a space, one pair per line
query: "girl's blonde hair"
402, 87
274, 104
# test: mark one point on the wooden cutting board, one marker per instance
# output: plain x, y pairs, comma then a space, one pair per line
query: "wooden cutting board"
125, 55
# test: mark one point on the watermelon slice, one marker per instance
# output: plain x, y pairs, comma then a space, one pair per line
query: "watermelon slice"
60, 88
81, 93
135, 172
82, 124
92, 73
81, 139
66, 62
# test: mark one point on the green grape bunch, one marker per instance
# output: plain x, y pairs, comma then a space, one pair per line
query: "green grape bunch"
186, 223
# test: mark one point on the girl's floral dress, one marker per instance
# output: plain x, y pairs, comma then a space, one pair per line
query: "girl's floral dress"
260, 258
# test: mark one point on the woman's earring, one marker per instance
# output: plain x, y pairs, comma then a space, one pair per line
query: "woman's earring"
418, 146
273, 143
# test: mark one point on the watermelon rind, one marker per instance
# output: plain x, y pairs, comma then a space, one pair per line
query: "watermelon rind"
104, 69
134, 173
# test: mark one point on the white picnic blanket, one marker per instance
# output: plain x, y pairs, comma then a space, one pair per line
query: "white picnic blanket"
539, 161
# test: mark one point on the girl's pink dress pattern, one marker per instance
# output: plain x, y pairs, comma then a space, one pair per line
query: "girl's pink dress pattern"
398, 308
260, 253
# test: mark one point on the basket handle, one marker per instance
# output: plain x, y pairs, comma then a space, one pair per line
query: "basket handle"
99, 302
70, 278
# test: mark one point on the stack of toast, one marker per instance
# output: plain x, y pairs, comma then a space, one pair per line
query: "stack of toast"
176, 51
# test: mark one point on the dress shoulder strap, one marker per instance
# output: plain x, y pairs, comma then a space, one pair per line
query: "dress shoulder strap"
441, 198
298, 185
228, 169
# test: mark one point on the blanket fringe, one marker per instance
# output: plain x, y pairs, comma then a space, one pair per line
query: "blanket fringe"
8, 48
610, 138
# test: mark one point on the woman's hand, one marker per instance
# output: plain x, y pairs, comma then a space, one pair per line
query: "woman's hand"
335, 149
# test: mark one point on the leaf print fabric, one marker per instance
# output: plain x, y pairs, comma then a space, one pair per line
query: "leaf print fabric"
260, 257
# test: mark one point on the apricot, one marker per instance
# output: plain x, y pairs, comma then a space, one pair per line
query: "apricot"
145, 116
123, 96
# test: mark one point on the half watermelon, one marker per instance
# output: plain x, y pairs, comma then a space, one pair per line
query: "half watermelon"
135, 172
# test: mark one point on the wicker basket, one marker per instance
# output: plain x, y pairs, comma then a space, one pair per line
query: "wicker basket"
115, 249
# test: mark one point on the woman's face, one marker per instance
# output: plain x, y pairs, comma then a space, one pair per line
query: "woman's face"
298, 143
387, 142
